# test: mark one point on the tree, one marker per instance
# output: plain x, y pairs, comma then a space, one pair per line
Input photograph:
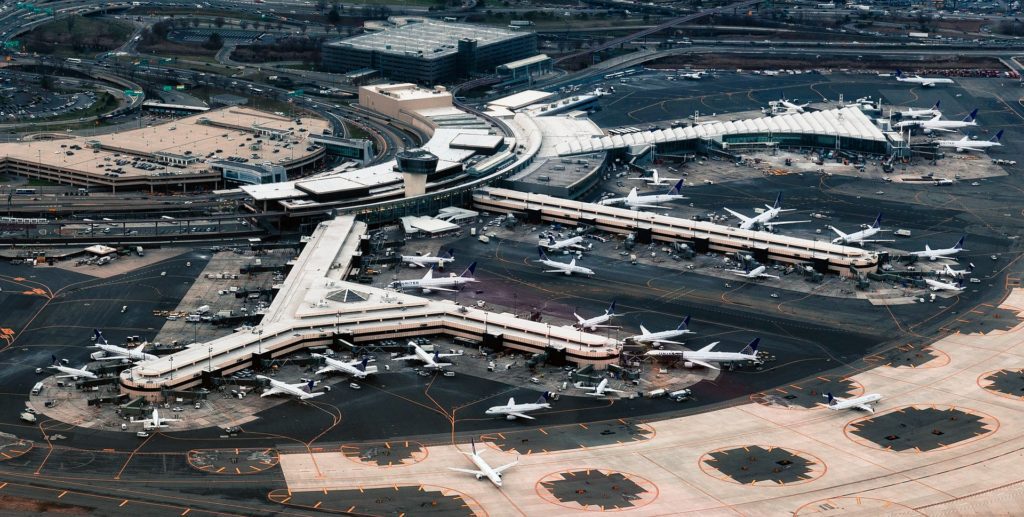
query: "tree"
333, 17
321, 5
214, 42
219, 21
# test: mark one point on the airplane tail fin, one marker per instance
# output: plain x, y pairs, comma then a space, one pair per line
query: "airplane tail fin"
451, 253
677, 188
544, 397
751, 347
998, 137
973, 115
936, 106
310, 384
611, 308
53, 359
97, 336
960, 243
470, 271
541, 254
684, 324
362, 365
831, 399
472, 445
878, 221
899, 74
551, 239
778, 201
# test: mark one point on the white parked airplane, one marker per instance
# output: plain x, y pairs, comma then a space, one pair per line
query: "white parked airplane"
512, 411
656, 179
601, 390
931, 254
693, 76
664, 336
597, 321
965, 144
570, 243
863, 403
154, 421
429, 361
705, 356
485, 470
357, 368
427, 260
764, 219
73, 373
791, 107
927, 82
861, 237
634, 200
442, 283
936, 124
294, 390
938, 285
118, 353
957, 273
562, 267
916, 113
753, 274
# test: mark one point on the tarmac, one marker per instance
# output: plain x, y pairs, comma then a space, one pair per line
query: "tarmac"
948, 371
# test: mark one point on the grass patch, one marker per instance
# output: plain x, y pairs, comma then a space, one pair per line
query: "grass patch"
355, 131
77, 36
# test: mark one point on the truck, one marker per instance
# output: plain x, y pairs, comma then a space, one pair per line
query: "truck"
139, 251
901, 233
484, 239
203, 309
28, 417
37, 389
655, 393
103, 261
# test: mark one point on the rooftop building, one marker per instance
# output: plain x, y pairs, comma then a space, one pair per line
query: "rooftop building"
429, 52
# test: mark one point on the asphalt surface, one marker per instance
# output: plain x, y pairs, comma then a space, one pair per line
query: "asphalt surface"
809, 337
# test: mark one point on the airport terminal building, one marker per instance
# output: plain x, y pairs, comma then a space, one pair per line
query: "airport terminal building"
429, 52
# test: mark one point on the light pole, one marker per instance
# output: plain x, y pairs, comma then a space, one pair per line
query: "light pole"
209, 365
260, 334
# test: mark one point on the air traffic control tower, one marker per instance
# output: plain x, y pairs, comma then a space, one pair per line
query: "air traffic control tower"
416, 166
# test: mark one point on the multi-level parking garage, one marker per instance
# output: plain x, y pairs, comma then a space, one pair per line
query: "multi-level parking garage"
205, 151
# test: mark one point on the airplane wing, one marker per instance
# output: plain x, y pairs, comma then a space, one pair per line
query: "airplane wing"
447, 355
310, 395
774, 223
603, 327
274, 390
522, 415
663, 341
505, 467
839, 233
766, 275
739, 272
468, 471
415, 264
876, 240
866, 407
594, 394
646, 206
704, 364
115, 357
738, 215
326, 369
554, 271
942, 129
438, 365
439, 289
613, 390
406, 358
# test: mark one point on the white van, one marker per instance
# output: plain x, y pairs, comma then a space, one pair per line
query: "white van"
37, 389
